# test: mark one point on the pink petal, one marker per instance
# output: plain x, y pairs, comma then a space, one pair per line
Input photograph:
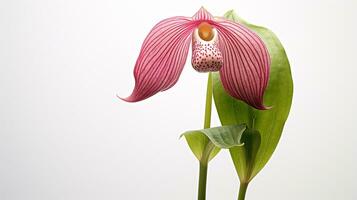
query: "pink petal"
162, 57
202, 14
246, 63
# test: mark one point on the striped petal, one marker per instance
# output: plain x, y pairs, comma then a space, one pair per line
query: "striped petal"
246, 63
162, 57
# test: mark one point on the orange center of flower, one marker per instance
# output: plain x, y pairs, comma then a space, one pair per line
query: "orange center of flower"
205, 31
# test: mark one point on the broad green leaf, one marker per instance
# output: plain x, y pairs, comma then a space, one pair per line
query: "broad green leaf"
220, 137
268, 123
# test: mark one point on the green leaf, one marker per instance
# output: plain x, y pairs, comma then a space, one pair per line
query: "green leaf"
244, 157
268, 123
218, 137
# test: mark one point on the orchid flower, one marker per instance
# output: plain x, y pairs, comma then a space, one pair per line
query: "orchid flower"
239, 55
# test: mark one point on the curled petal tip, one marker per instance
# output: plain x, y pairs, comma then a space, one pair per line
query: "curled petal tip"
135, 96
127, 99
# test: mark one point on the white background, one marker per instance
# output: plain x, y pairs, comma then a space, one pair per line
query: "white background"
65, 136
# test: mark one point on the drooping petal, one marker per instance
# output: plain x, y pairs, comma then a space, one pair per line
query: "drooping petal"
246, 63
162, 57
202, 15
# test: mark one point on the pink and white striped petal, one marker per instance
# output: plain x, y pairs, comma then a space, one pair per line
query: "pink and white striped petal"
162, 57
246, 63
202, 15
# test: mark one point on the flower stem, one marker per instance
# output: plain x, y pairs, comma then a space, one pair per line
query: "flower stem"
242, 190
208, 109
202, 181
209, 147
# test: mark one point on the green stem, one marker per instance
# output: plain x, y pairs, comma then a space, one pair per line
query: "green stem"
208, 108
202, 181
209, 147
242, 190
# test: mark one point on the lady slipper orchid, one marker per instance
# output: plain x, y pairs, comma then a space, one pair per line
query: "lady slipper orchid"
239, 55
